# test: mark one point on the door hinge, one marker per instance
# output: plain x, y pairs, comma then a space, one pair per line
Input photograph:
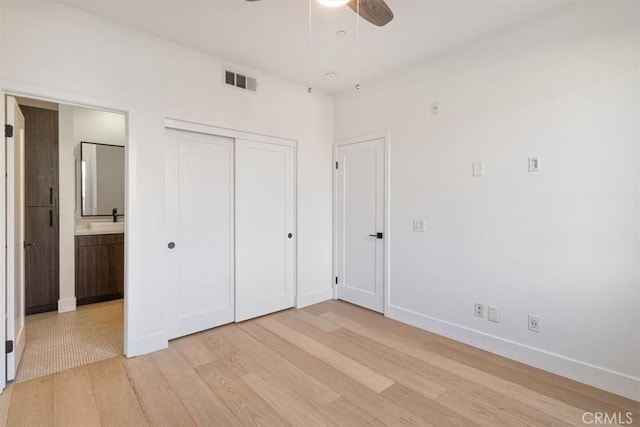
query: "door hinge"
8, 131
336, 165
8, 346
336, 280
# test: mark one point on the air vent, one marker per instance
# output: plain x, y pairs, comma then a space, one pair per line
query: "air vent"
240, 81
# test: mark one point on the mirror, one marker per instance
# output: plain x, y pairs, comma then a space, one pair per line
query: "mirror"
101, 179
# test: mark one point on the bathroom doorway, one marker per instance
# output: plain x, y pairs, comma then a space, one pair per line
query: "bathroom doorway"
74, 245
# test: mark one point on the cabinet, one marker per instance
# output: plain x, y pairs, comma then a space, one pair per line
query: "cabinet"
99, 268
41, 209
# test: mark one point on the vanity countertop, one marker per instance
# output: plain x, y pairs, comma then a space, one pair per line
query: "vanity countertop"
88, 232
100, 228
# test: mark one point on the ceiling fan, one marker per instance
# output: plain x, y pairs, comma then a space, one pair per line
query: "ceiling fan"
375, 11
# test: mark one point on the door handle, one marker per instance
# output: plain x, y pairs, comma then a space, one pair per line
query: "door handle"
171, 245
377, 235
50, 217
26, 244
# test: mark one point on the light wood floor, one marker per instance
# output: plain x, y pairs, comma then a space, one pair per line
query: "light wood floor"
330, 364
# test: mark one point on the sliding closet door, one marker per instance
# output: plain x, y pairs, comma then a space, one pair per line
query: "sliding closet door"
201, 224
265, 228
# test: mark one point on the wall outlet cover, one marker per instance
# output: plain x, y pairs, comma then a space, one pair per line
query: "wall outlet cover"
535, 322
478, 310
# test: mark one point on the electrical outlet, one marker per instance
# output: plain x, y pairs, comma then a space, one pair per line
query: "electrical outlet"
492, 314
478, 309
534, 323
418, 225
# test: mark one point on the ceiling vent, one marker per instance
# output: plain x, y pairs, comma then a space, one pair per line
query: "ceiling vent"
240, 81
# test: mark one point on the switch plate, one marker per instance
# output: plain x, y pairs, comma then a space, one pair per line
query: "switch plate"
534, 164
418, 225
478, 168
492, 314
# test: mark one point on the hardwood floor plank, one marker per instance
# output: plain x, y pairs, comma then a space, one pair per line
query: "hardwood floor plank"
201, 402
5, 404
246, 405
312, 319
368, 357
32, 403
345, 413
297, 411
366, 376
285, 373
73, 399
427, 409
359, 395
193, 350
115, 400
531, 378
158, 401
537, 400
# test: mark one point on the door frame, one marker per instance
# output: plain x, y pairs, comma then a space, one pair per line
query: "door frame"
386, 276
189, 126
17, 89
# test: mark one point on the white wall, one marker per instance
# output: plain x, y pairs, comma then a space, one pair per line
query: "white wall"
69, 52
563, 243
66, 208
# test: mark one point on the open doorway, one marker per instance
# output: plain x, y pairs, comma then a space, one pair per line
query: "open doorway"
74, 189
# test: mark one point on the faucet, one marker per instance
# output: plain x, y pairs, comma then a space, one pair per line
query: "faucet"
114, 212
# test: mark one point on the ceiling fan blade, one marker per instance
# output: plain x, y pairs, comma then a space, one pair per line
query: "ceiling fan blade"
375, 11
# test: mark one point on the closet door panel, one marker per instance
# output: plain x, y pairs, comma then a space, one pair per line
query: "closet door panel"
201, 222
265, 228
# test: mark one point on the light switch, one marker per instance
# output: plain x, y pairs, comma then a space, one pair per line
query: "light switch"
493, 314
418, 225
478, 168
534, 164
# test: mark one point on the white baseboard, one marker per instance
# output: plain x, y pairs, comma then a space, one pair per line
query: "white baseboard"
314, 297
67, 304
596, 376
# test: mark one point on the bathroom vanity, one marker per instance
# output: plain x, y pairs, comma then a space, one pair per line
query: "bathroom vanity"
99, 267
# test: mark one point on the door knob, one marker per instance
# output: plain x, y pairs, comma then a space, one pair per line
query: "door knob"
289, 235
377, 235
171, 245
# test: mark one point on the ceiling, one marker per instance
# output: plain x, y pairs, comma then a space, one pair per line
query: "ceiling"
273, 35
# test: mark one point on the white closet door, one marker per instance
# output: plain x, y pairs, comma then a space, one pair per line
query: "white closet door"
201, 222
265, 228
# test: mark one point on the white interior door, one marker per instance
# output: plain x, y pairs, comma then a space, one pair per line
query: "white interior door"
200, 194
360, 202
265, 228
15, 237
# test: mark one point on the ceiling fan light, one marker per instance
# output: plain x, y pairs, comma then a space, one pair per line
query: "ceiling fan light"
333, 3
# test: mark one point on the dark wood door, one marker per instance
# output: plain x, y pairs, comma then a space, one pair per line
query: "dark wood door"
41, 209
40, 156
41, 259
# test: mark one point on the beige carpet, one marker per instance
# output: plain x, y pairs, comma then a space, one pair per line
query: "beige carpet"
56, 342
